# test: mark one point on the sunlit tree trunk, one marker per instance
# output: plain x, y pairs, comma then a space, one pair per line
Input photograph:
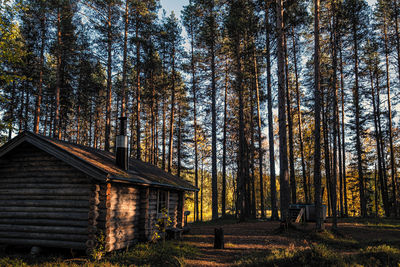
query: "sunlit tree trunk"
292, 174
317, 132
283, 158
274, 207
109, 79
41, 69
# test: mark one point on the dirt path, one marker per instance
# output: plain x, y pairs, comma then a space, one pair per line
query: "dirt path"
241, 239
245, 239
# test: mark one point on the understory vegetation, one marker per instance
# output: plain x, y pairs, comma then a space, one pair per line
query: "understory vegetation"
171, 253
322, 255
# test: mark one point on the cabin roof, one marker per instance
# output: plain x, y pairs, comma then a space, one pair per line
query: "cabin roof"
100, 164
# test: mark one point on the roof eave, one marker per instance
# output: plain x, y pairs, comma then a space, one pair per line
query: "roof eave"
151, 184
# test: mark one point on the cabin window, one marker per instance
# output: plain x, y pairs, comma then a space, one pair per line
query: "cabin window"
162, 201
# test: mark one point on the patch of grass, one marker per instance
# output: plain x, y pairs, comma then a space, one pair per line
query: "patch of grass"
169, 254
335, 241
172, 253
382, 255
378, 223
316, 255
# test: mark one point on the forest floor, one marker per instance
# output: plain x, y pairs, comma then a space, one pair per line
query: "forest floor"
368, 242
358, 242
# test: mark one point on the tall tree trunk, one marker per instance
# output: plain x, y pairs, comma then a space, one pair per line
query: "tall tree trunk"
124, 59
346, 213
138, 90
179, 140
260, 149
163, 135
223, 193
274, 207
12, 107
376, 194
241, 186
292, 175
397, 34
317, 132
202, 189
214, 179
171, 122
56, 126
389, 104
251, 154
303, 165
283, 158
109, 79
378, 145
41, 67
327, 156
384, 188
358, 123
335, 116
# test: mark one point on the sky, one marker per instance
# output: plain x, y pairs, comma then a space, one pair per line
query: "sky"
176, 5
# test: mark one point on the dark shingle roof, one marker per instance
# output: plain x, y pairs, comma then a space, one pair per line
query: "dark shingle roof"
101, 164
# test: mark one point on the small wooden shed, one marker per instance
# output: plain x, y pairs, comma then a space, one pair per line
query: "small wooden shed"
59, 194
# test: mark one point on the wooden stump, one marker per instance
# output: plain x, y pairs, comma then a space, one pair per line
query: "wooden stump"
218, 238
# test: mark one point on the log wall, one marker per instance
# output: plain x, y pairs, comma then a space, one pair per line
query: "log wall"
173, 208
43, 201
121, 210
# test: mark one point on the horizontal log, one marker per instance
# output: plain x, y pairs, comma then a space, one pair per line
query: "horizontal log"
116, 204
91, 243
46, 215
44, 229
43, 197
44, 186
44, 222
91, 229
45, 203
120, 232
59, 192
44, 236
120, 189
93, 214
116, 197
43, 243
114, 224
121, 238
42, 209
53, 179
107, 217
94, 201
119, 206
120, 245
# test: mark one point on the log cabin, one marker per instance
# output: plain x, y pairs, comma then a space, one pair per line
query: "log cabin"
59, 194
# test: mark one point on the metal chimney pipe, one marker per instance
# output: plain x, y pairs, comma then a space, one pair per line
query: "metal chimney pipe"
121, 155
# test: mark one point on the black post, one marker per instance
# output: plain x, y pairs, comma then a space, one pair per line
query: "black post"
219, 238
122, 145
